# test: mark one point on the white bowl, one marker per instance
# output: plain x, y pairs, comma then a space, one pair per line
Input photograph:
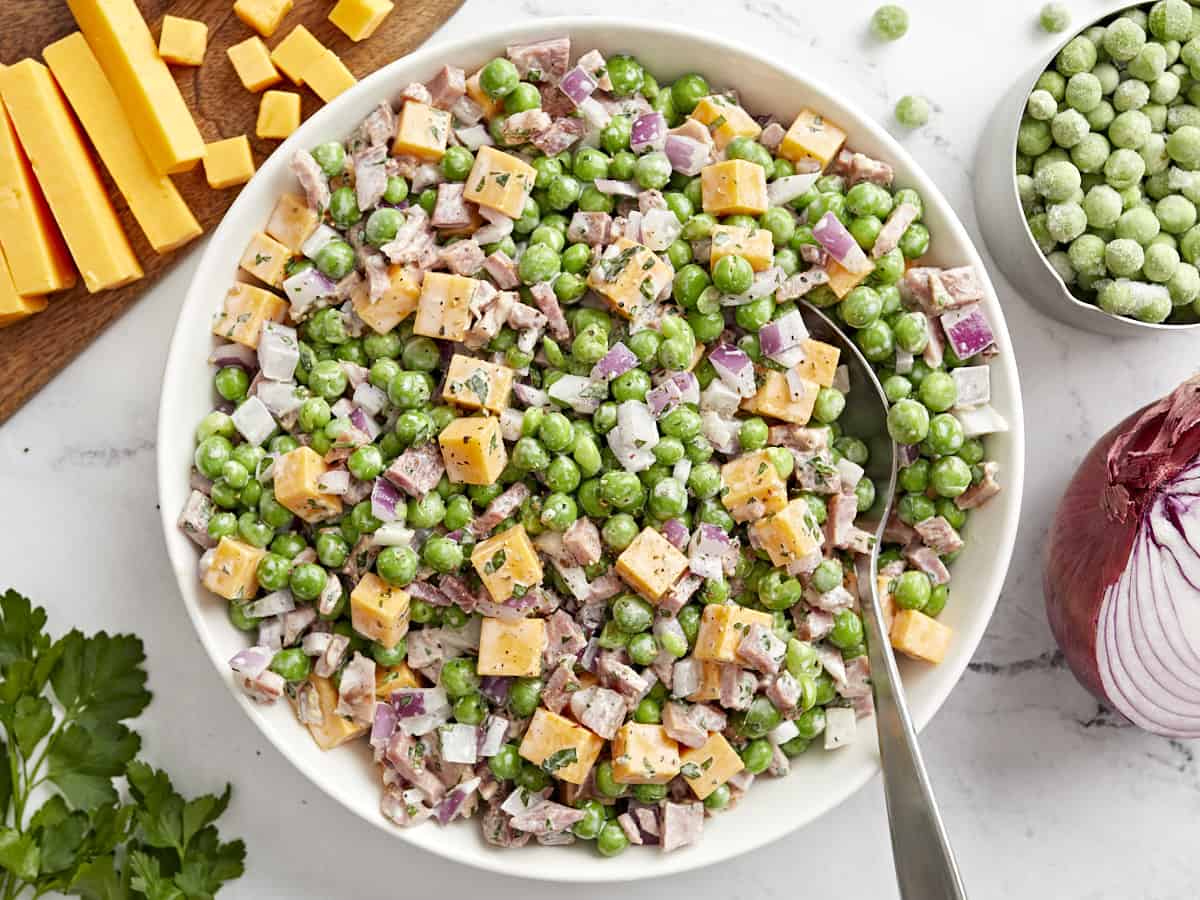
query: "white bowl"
819, 781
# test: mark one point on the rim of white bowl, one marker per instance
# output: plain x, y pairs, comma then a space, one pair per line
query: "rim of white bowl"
654, 865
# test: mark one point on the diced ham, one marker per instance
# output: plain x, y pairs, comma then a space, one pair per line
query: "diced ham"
800, 284
423, 590
411, 758
194, 517
784, 692
418, 93
425, 647
492, 309
600, 709
503, 270
370, 175
379, 127
761, 649
546, 817
296, 622
458, 593
265, 687
893, 229
677, 598
554, 101
582, 541
939, 535
928, 562
737, 687
417, 470
858, 678
814, 254
979, 494
897, 531
607, 585
464, 257
312, 179
590, 228
681, 824
547, 302
562, 133
497, 829
522, 317
594, 64
414, 241
839, 522
621, 678
650, 199
564, 638
815, 471
356, 690
630, 827
690, 725
772, 136
962, 284
546, 60
858, 167
447, 86
451, 210
520, 127
560, 686
798, 437
503, 506
811, 624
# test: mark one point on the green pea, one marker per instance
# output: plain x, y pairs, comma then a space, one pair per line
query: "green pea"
652, 170
292, 664
331, 157
288, 544
682, 422
847, 629
642, 649
626, 74
409, 390
307, 580
273, 571
538, 263
563, 191
732, 274
389, 656
396, 191
632, 614
397, 565
523, 696
612, 840
522, 98
756, 756
532, 778
606, 784
459, 677
343, 207
506, 764
950, 476
687, 91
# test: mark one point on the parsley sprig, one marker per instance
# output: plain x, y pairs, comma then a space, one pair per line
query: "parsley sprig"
63, 705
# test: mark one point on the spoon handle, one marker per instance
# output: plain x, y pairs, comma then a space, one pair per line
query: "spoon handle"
925, 864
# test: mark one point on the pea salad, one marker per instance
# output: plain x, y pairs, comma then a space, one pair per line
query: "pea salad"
525, 471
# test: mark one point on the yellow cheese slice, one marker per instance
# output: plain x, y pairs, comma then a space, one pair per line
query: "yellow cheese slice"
14, 307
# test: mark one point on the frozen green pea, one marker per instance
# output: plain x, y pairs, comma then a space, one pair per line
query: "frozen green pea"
1051, 156
1184, 147
1124, 257
1087, 255
1138, 224
1065, 221
1039, 232
912, 111
1184, 285
1060, 261
1130, 95
1182, 114
1161, 262
1130, 129
1165, 88
1175, 213
1101, 117
1154, 154
1115, 297
1033, 137
1054, 17
1027, 192
1079, 55
1170, 20
1108, 76
1124, 168
1068, 128
1083, 91
1090, 153
1152, 306
1149, 63
1166, 239
1041, 106
1057, 182
1132, 196
889, 22
1123, 38
1053, 83
1157, 114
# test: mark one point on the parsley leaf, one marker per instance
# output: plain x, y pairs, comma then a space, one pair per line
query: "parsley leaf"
83, 762
101, 679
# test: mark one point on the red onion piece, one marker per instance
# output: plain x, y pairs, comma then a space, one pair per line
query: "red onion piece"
734, 368
616, 188
252, 661
687, 155
839, 243
384, 498
1123, 567
648, 132
306, 289
676, 532
616, 362
786, 189
334, 481
234, 355
474, 137
578, 85
968, 330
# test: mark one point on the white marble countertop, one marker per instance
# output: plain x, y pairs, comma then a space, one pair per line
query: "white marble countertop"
1043, 796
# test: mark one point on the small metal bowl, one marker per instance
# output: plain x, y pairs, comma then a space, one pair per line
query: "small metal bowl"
1006, 232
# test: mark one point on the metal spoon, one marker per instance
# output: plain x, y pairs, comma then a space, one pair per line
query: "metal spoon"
925, 864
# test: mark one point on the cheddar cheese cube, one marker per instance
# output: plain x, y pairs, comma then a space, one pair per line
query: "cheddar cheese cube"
358, 19
752, 244
332, 730
379, 610
710, 683
292, 221
775, 399
920, 636
820, 361
499, 181
725, 120
389, 679
14, 307
887, 600
629, 276
707, 767
841, 280
394, 305
473, 450
182, 41
511, 648
296, 475
328, 76
722, 627
245, 309
507, 564
265, 258
228, 163
263, 16
422, 132
812, 136
252, 62
232, 571
442, 310
489, 106
563, 749
643, 754
651, 564
753, 477
478, 384
296, 53
789, 534
278, 115
734, 186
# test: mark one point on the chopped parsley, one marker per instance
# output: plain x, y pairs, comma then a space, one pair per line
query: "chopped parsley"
559, 759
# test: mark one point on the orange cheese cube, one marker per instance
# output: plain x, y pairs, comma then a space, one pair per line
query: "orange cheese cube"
228, 163
507, 564
841, 280
643, 754
182, 41
263, 16
722, 627
14, 307
232, 571
252, 62
734, 186
710, 683
394, 305
37, 257
707, 767
333, 730
489, 106
563, 749
788, 535
752, 244
389, 679
774, 399
511, 648
296, 475
442, 310
68, 176
629, 276
499, 181
725, 120
296, 53
265, 258
291, 221
379, 611
920, 636
750, 477
651, 564
477, 384
422, 132
820, 362
812, 136
245, 309
278, 115
473, 450
358, 19
328, 76
887, 601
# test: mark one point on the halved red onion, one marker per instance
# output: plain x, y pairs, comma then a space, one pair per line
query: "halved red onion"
686, 676
721, 431
678, 387
1123, 567
840, 244
734, 368
306, 289
426, 175
765, 282
974, 384
495, 688
393, 534
316, 643
578, 85
595, 113
313, 244
279, 397
616, 362
528, 395
235, 355
364, 423
272, 604
968, 330
252, 661
706, 552
980, 420
615, 188
782, 334
455, 801
687, 155
648, 132
383, 726
786, 189
676, 532
369, 398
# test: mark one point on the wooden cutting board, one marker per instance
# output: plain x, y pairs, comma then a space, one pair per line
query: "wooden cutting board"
35, 350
